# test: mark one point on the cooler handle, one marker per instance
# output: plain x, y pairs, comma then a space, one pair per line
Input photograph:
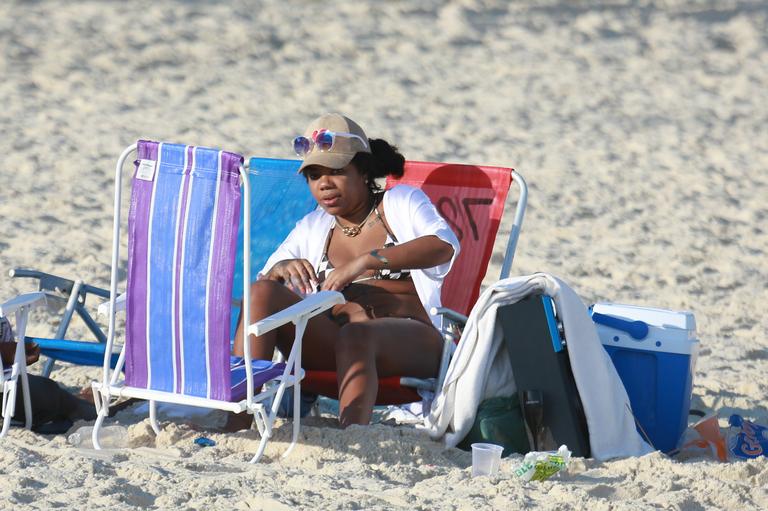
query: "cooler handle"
636, 329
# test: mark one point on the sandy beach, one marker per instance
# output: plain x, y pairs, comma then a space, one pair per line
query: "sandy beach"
639, 126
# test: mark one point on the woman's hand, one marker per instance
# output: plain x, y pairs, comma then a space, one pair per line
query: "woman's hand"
342, 276
297, 274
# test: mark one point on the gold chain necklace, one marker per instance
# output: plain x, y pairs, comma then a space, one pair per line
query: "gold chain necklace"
353, 230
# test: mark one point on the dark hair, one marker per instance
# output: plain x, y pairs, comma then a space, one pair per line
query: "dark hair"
383, 160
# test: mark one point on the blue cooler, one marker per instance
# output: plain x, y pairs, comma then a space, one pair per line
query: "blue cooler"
654, 351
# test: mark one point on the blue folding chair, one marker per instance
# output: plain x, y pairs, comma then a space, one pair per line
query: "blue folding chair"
70, 296
280, 197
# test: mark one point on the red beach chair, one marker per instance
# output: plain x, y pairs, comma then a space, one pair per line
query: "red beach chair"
471, 198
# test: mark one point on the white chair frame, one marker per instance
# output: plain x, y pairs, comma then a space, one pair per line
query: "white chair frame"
20, 307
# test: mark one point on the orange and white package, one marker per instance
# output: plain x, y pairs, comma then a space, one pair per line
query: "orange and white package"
709, 438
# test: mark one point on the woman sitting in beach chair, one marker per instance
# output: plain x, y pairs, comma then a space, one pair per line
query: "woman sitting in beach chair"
387, 252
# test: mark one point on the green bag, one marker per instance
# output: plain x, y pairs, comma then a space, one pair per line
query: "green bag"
499, 421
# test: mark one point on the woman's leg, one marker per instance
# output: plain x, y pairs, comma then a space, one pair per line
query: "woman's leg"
368, 350
268, 297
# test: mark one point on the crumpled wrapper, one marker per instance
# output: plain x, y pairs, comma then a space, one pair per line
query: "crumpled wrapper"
539, 466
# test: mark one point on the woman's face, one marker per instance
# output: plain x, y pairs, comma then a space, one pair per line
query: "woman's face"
338, 191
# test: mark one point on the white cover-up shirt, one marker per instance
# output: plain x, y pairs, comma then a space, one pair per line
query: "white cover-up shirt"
410, 215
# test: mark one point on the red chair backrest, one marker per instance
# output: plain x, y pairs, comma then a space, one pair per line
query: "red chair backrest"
471, 199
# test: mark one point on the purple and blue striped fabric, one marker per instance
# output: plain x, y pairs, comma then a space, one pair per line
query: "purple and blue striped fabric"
263, 371
182, 235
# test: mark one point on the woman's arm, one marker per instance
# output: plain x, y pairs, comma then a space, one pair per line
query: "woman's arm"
8, 352
422, 252
411, 215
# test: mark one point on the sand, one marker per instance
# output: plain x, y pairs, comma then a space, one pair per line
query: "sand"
640, 127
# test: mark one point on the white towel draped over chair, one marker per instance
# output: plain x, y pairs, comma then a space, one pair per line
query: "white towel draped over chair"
480, 369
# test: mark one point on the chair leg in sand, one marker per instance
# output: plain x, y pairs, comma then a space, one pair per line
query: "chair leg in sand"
17, 373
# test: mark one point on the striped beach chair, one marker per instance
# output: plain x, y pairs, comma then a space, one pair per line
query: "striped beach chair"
182, 234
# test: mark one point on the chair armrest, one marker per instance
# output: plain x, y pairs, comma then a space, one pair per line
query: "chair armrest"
25, 300
450, 314
119, 305
419, 383
310, 306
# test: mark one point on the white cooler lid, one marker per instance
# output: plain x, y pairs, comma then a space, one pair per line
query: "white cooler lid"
669, 331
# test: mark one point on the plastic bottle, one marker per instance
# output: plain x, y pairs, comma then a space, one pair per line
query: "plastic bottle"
110, 437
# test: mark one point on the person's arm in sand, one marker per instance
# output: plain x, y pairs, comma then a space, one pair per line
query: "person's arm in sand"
8, 352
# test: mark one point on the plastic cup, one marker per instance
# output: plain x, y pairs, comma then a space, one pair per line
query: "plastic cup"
486, 459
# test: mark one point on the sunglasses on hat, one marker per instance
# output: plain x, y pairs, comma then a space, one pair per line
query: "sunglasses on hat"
324, 140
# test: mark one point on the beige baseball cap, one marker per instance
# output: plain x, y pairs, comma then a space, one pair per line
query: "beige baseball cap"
349, 140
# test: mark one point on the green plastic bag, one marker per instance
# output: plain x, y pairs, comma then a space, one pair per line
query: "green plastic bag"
499, 421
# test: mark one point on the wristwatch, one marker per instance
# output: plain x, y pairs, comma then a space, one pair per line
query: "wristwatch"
375, 253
